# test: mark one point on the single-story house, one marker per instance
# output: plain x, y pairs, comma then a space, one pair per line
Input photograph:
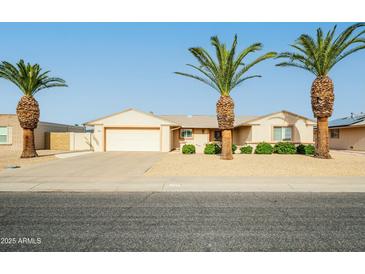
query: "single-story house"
134, 130
348, 132
11, 134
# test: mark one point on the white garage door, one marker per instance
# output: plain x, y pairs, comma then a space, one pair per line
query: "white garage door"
132, 139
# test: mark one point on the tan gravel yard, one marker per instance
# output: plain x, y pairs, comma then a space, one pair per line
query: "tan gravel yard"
176, 164
13, 158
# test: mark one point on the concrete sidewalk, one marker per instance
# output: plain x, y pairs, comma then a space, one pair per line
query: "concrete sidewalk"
182, 184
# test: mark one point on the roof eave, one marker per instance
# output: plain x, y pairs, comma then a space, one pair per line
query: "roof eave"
94, 122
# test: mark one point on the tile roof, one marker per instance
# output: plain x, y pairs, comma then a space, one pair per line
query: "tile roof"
202, 121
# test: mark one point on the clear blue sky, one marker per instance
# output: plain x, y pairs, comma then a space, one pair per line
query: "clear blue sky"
113, 66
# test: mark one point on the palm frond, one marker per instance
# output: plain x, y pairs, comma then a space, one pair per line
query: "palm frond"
224, 73
204, 61
293, 64
207, 74
346, 34
253, 63
245, 52
29, 78
205, 81
228, 73
219, 49
246, 78
347, 53
319, 55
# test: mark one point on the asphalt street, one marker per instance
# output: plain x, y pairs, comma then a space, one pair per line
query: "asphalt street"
156, 221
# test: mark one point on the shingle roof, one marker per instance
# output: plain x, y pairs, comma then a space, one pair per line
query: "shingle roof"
42, 122
202, 121
348, 121
120, 112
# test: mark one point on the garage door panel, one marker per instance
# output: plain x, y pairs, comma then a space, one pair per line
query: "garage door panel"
132, 140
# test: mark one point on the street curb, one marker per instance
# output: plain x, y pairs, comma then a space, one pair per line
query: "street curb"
182, 184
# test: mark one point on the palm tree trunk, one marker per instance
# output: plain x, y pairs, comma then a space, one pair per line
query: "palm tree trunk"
322, 140
322, 98
28, 144
225, 118
226, 144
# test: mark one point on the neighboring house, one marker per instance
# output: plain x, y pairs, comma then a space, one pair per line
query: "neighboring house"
348, 132
11, 134
133, 130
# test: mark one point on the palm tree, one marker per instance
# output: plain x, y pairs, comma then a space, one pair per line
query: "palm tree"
29, 79
223, 75
319, 55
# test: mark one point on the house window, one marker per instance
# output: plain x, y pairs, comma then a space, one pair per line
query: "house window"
4, 135
282, 134
217, 135
186, 133
335, 133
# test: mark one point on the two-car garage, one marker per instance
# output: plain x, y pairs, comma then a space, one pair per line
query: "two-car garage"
132, 130
132, 139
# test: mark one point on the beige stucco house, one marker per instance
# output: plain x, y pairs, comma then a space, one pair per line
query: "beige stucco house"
11, 134
134, 130
348, 133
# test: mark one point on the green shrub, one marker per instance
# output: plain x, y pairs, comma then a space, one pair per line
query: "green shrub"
285, 148
264, 148
310, 150
234, 148
246, 150
301, 149
212, 149
188, 149
209, 149
305, 149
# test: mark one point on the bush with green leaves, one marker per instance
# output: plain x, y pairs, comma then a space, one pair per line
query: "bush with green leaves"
285, 148
301, 149
234, 148
212, 149
264, 148
246, 149
305, 149
188, 149
310, 150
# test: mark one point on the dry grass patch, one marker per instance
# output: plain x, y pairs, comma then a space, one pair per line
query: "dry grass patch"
176, 164
13, 158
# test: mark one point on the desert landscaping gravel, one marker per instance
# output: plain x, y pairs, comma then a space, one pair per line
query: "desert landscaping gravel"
177, 164
13, 158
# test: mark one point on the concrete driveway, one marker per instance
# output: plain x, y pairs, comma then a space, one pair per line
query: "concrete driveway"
92, 165
125, 172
